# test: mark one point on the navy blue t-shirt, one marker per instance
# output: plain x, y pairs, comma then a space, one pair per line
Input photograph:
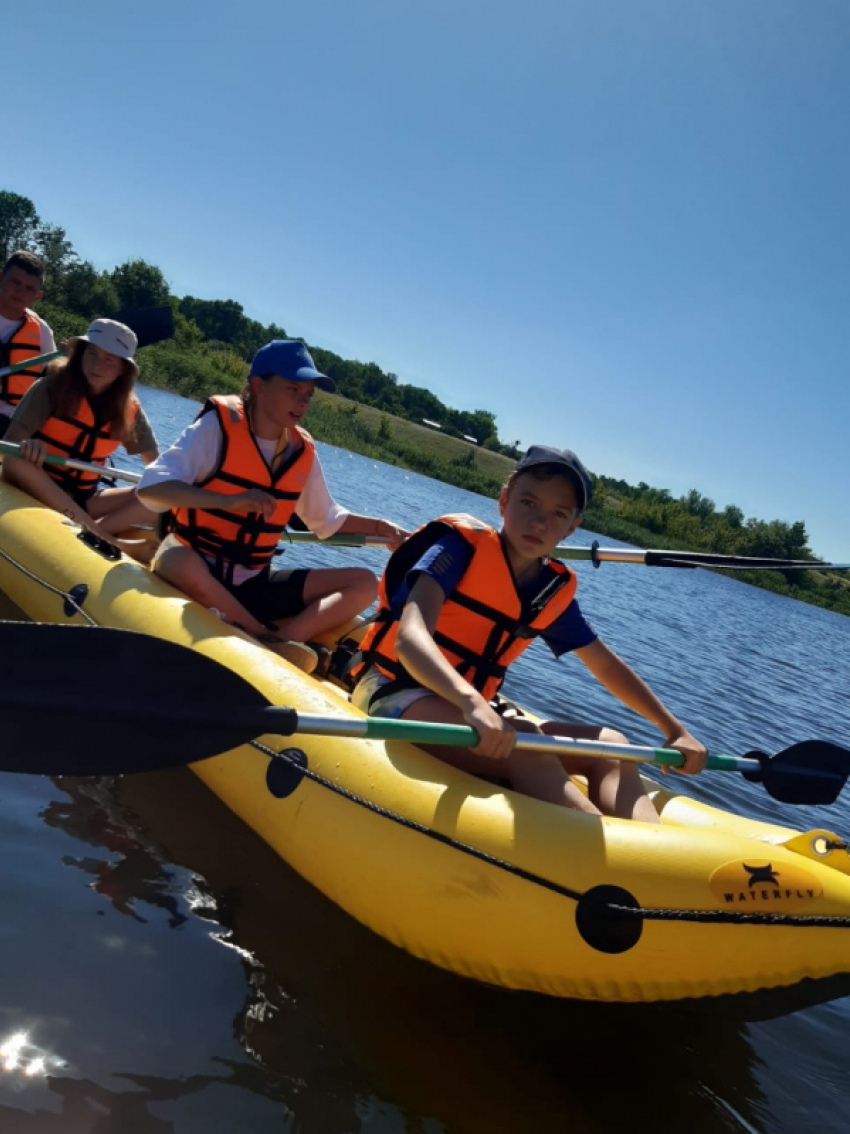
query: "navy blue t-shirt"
446, 561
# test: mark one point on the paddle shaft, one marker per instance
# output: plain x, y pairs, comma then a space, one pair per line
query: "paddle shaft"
30, 363
281, 720
243, 723
597, 555
461, 736
12, 450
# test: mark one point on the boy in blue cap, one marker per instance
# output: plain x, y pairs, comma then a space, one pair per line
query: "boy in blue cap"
460, 601
231, 482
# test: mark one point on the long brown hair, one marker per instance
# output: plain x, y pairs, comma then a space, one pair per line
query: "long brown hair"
247, 393
67, 387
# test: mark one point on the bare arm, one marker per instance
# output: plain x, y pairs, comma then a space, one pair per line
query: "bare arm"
621, 680
177, 494
26, 472
371, 525
423, 660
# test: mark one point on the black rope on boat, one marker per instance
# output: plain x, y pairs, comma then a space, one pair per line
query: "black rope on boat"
412, 825
294, 758
70, 600
727, 916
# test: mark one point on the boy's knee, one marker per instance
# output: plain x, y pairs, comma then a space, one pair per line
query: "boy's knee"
607, 767
366, 583
526, 762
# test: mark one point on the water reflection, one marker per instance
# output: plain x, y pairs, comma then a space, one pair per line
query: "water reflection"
87, 1108
138, 875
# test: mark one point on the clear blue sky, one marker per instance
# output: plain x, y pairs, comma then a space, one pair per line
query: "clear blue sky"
619, 225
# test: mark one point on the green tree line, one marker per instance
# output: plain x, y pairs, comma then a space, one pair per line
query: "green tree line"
214, 340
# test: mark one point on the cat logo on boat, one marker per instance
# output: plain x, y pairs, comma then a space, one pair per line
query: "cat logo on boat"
759, 885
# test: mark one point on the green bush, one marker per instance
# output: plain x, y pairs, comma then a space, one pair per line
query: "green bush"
64, 324
190, 374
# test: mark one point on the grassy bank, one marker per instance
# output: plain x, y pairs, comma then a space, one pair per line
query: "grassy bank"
399, 442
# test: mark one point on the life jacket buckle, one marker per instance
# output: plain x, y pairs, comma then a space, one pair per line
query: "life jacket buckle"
346, 655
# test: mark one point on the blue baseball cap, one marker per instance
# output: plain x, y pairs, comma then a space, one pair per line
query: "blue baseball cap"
543, 455
291, 360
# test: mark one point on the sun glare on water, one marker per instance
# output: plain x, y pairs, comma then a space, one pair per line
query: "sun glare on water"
17, 1054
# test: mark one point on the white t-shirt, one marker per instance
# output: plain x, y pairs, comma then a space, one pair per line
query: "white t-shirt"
7, 329
195, 454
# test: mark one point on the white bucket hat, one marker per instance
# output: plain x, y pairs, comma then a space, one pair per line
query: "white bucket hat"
117, 338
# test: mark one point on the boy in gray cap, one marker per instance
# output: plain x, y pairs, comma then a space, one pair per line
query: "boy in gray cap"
460, 601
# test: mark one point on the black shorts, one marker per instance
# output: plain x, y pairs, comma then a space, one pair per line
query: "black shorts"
81, 496
272, 594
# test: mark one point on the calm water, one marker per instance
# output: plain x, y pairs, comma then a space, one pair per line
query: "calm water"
175, 975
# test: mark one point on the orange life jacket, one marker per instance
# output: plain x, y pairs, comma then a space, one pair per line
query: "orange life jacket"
23, 344
83, 438
483, 625
245, 539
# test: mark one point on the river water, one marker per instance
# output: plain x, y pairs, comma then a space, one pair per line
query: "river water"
173, 974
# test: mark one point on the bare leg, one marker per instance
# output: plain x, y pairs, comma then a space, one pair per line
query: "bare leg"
353, 628
614, 786
187, 571
332, 597
538, 774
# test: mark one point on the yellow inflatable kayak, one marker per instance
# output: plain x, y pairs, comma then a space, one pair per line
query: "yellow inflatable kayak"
472, 877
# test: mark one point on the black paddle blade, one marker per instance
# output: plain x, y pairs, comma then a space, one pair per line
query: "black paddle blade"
813, 772
92, 701
150, 324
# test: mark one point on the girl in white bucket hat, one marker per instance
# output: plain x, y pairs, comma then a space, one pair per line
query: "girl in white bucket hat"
84, 408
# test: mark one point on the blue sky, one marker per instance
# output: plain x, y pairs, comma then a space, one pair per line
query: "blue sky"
619, 225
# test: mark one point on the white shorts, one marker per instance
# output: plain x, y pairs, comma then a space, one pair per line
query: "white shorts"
393, 705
